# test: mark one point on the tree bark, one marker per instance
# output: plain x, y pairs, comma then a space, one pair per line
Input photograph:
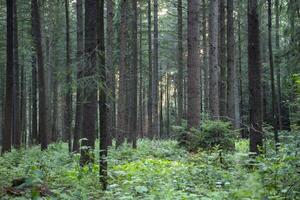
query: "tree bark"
222, 58
79, 93
205, 63
68, 97
43, 109
90, 90
213, 61
193, 69
150, 100
121, 122
179, 63
254, 76
233, 103
8, 108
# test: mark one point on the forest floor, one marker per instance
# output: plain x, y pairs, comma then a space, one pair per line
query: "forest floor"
155, 170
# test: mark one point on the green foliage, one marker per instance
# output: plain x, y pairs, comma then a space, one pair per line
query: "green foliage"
159, 170
210, 135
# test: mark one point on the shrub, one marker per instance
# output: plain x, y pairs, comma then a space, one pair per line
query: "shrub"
210, 135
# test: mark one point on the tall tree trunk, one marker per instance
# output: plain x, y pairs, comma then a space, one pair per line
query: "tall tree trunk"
68, 98
121, 122
206, 66
16, 91
79, 93
111, 115
168, 106
277, 63
133, 78
274, 108
103, 110
179, 62
254, 76
241, 97
155, 83
233, 82
213, 60
8, 108
193, 69
43, 109
90, 90
142, 87
34, 119
222, 60
150, 100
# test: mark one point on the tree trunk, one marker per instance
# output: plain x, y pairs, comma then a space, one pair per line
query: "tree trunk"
274, 108
8, 108
34, 120
254, 76
206, 66
43, 109
155, 83
222, 59
213, 61
179, 63
193, 69
79, 94
142, 87
233, 82
90, 89
68, 98
150, 100
103, 110
121, 122
133, 78
277, 63
111, 115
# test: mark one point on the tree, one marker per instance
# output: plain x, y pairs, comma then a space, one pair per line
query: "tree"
150, 100
206, 66
179, 62
68, 97
90, 88
111, 115
254, 76
121, 122
222, 60
8, 109
233, 102
43, 109
79, 93
155, 83
133, 78
213, 60
193, 69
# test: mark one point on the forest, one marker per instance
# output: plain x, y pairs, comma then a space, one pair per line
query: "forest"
150, 99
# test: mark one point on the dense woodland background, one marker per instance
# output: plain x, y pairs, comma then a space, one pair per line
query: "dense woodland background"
118, 93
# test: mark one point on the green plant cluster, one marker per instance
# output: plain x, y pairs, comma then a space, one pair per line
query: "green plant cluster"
211, 134
159, 170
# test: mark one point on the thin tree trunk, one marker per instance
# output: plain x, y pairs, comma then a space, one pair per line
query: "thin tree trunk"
193, 69
179, 63
121, 122
274, 108
8, 108
206, 66
43, 109
222, 58
111, 115
277, 63
233, 89
141, 89
168, 106
150, 100
254, 75
34, 119
90, 90
68, 98
213, 61
103, 110
79, 93
155, 83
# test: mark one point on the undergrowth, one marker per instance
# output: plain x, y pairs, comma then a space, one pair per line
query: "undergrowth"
157, 170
